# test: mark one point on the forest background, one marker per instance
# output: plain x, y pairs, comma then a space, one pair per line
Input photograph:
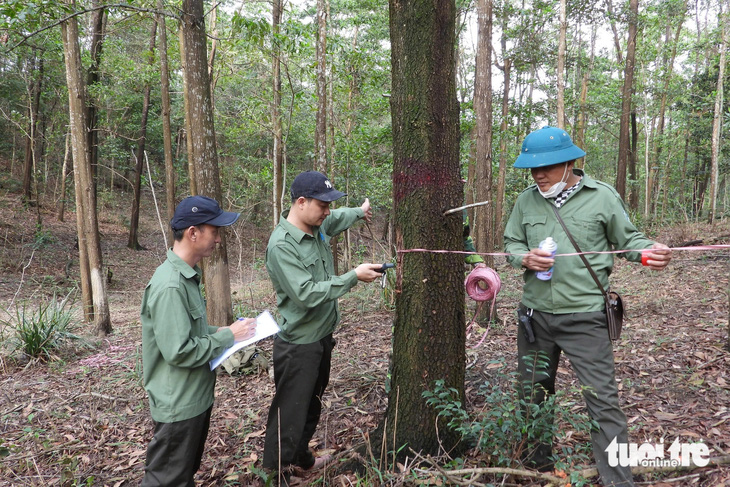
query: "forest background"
296, 86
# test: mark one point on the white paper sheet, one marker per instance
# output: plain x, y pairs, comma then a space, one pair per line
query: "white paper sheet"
265, 327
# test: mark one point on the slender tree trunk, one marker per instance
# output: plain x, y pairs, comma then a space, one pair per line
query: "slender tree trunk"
35, 81
483, 219
90, 260
62, 199
278, 152
503, 139
633, 176
580, 126
133, 242
616, 40
320, 135
166, 128
561, 63
202, 135
429, 332
186, 98
97, 42
213, 45
668, 66
331, 150
624, 141
717, 119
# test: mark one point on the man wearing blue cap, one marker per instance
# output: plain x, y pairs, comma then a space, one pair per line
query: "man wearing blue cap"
567, 312
301, 268
178, 343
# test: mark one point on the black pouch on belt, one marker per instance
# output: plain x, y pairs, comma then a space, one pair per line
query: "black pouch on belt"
524, 316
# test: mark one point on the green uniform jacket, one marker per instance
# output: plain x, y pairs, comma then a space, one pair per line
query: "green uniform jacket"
302, 271
177, 343
597, 219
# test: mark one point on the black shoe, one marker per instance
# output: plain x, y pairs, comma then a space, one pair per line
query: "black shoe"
539, 458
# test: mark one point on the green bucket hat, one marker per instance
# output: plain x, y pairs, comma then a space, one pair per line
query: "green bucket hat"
547, 146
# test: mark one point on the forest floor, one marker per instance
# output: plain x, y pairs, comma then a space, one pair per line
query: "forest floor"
81, 417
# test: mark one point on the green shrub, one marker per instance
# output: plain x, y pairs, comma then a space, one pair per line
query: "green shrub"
512, 422
39, 331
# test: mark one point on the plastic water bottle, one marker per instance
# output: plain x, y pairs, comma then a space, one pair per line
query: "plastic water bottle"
549, 245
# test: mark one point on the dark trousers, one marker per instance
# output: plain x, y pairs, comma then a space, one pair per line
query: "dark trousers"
175, 452
584, 339
301, 374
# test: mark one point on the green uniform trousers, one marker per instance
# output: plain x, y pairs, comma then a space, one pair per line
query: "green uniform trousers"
584, 339
301, 375
175, 452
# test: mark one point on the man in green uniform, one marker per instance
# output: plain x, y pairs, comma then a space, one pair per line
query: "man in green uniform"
300, 265
568, 311
178, 343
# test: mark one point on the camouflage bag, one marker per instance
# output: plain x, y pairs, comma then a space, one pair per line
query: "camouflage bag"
248, 360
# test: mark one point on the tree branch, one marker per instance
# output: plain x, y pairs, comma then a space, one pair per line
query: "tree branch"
123, 6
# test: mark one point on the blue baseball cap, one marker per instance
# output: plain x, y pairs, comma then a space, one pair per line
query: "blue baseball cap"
546, 147
199, 210
313, 184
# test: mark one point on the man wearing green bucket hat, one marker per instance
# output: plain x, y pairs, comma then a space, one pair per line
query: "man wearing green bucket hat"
566, 311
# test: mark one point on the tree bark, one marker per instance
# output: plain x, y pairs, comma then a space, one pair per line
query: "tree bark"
561, 64
133, 242
580, 125
633, 176
203, 142
35, 83
278, 152
166, 128
483, 219
717, 120
186, 100
623, 142
320, 135
97, 42
668, 67
429, 331
64, 171
502, 178
90, 257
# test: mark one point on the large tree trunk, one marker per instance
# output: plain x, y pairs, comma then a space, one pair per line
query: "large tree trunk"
202, 136
717, 120
166, 129
278, 153
90, 260
623, 141
133, 242
483, 219
429, 332
320, 135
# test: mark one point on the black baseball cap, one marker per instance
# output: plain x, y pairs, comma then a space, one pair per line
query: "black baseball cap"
197, 210
313, 184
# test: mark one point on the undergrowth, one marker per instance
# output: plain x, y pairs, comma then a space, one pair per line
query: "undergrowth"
514, 421
39, 330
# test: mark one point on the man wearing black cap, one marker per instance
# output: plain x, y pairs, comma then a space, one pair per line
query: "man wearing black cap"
178, 343
300, 265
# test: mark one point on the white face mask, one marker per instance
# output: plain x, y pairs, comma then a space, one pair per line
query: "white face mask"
556, 188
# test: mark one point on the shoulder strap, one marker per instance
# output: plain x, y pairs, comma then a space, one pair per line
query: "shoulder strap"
580, 253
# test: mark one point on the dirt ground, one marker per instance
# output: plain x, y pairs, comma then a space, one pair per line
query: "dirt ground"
82, 418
